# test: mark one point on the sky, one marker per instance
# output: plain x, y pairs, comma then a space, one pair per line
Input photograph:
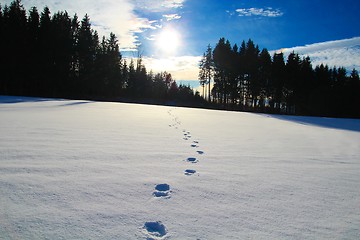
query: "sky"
172, 35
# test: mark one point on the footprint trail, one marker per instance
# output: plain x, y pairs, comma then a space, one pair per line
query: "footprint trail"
162, 191
154, 230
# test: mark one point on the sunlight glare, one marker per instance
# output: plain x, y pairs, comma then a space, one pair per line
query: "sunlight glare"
168, 41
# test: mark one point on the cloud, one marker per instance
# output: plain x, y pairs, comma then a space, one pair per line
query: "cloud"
151, 37
170, 17
264, 12
181, 68
340, 53
120, 17
158, 5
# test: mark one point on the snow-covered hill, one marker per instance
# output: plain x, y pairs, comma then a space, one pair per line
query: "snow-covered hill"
91, 170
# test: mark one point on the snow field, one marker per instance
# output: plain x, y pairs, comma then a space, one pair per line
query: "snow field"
91, 170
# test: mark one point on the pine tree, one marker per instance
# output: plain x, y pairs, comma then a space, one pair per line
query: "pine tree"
264, 75
305, 82
62, 54
34, 47
278, 80
74, 66
206, 71
222, 67
354, 77
15, 24
292, 81
202, 74
251, 65
45, 53
88, 41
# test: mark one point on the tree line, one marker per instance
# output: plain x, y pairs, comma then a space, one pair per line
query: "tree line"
60, 56
247, 78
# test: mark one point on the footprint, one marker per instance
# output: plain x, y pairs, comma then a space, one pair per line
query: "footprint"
155, 230
200, 152
162, 190
194, 145
192, 160
187, 135
189, 172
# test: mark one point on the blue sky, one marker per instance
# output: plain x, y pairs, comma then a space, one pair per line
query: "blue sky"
327, 31
271, 24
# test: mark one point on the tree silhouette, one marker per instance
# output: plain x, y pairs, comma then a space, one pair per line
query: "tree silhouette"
247, 78
206, 70
58, 56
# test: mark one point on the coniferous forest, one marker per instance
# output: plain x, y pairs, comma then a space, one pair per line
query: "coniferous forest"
248, 79
56, 55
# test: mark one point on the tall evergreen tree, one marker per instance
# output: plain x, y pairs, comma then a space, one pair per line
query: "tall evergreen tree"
292, 81
251, 66
86, 48
74, 67
264, 75
15, 26
354, 77
222, 66
62, 53
202, 74
34, 47
278, 81
206, 70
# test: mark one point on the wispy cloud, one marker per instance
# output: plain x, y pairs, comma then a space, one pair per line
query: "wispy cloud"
152, 37
340, 53
158, 5
263, 12
170, 17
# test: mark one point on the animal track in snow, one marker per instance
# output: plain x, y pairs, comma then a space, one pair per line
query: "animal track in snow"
189, 172
162, 190
192, 160
155, 230
200, 152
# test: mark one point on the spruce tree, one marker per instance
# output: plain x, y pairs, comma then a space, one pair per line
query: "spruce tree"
206, 70
278, 80
264, 75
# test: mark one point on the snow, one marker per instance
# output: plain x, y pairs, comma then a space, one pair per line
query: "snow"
95, 170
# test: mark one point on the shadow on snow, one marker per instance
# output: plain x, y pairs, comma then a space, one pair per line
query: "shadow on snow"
336, 123
21, 99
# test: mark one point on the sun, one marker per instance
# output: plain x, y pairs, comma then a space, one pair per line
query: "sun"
168, 41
